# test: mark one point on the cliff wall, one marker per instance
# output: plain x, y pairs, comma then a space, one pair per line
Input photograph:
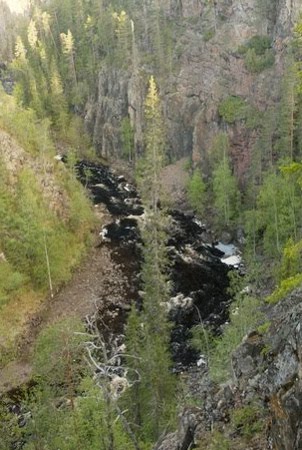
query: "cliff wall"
207, 66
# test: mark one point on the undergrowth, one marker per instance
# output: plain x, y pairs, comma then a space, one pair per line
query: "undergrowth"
45, 219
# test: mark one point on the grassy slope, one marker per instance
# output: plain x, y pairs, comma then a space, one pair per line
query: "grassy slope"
43, 209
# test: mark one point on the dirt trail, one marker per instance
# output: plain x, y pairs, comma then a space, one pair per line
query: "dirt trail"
98, 277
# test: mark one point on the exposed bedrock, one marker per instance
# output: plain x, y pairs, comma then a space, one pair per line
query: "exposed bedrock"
207, 68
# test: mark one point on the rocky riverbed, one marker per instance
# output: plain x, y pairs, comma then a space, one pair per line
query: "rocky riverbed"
199, 278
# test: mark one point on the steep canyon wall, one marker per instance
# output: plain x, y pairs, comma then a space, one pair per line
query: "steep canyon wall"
206, 67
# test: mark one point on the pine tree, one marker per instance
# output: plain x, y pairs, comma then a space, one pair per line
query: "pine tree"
225, 190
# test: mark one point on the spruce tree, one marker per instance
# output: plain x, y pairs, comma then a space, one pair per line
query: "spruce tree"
226, 193
154, 392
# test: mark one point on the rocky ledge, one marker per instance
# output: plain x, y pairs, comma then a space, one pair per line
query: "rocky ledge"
265, 392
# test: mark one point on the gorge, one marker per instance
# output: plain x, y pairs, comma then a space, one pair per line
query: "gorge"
127, 313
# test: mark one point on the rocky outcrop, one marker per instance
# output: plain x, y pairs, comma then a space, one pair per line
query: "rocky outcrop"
267, 372
207, 67
270, 366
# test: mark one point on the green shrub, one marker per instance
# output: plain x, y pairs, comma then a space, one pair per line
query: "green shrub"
244, 317
30, 228
286, 286
24, 126
290, 276
247, 420
196, 192
258, 54
232, 108
260, 44
291, 262
257, 63
263, 328
208, 35
220, 442
11, 282
214, 441
59, 352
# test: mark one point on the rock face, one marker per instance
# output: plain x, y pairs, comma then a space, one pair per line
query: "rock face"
270, 366
7, 32
267, 369
207, 67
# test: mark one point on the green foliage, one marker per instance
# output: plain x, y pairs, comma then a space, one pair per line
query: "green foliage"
87, 423
226, 194
232, 108
287, 146
244, 316
188, 165
286, 287
10, 431
196, 192
258, 54
68, 411
153, 160
277, 212
219, 442
226, 197
246, 424
63, 47
11, 282
260, 44
220, 147
215, 441
127, 136
30, 230
58, 354
202, 339
34, 229
291, 263
255, 63
23, 124
248, 420
9, 22
263, 328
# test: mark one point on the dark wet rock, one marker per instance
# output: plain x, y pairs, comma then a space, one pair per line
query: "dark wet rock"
6, 78
124, 231
120, 197
185, 437
199, 279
